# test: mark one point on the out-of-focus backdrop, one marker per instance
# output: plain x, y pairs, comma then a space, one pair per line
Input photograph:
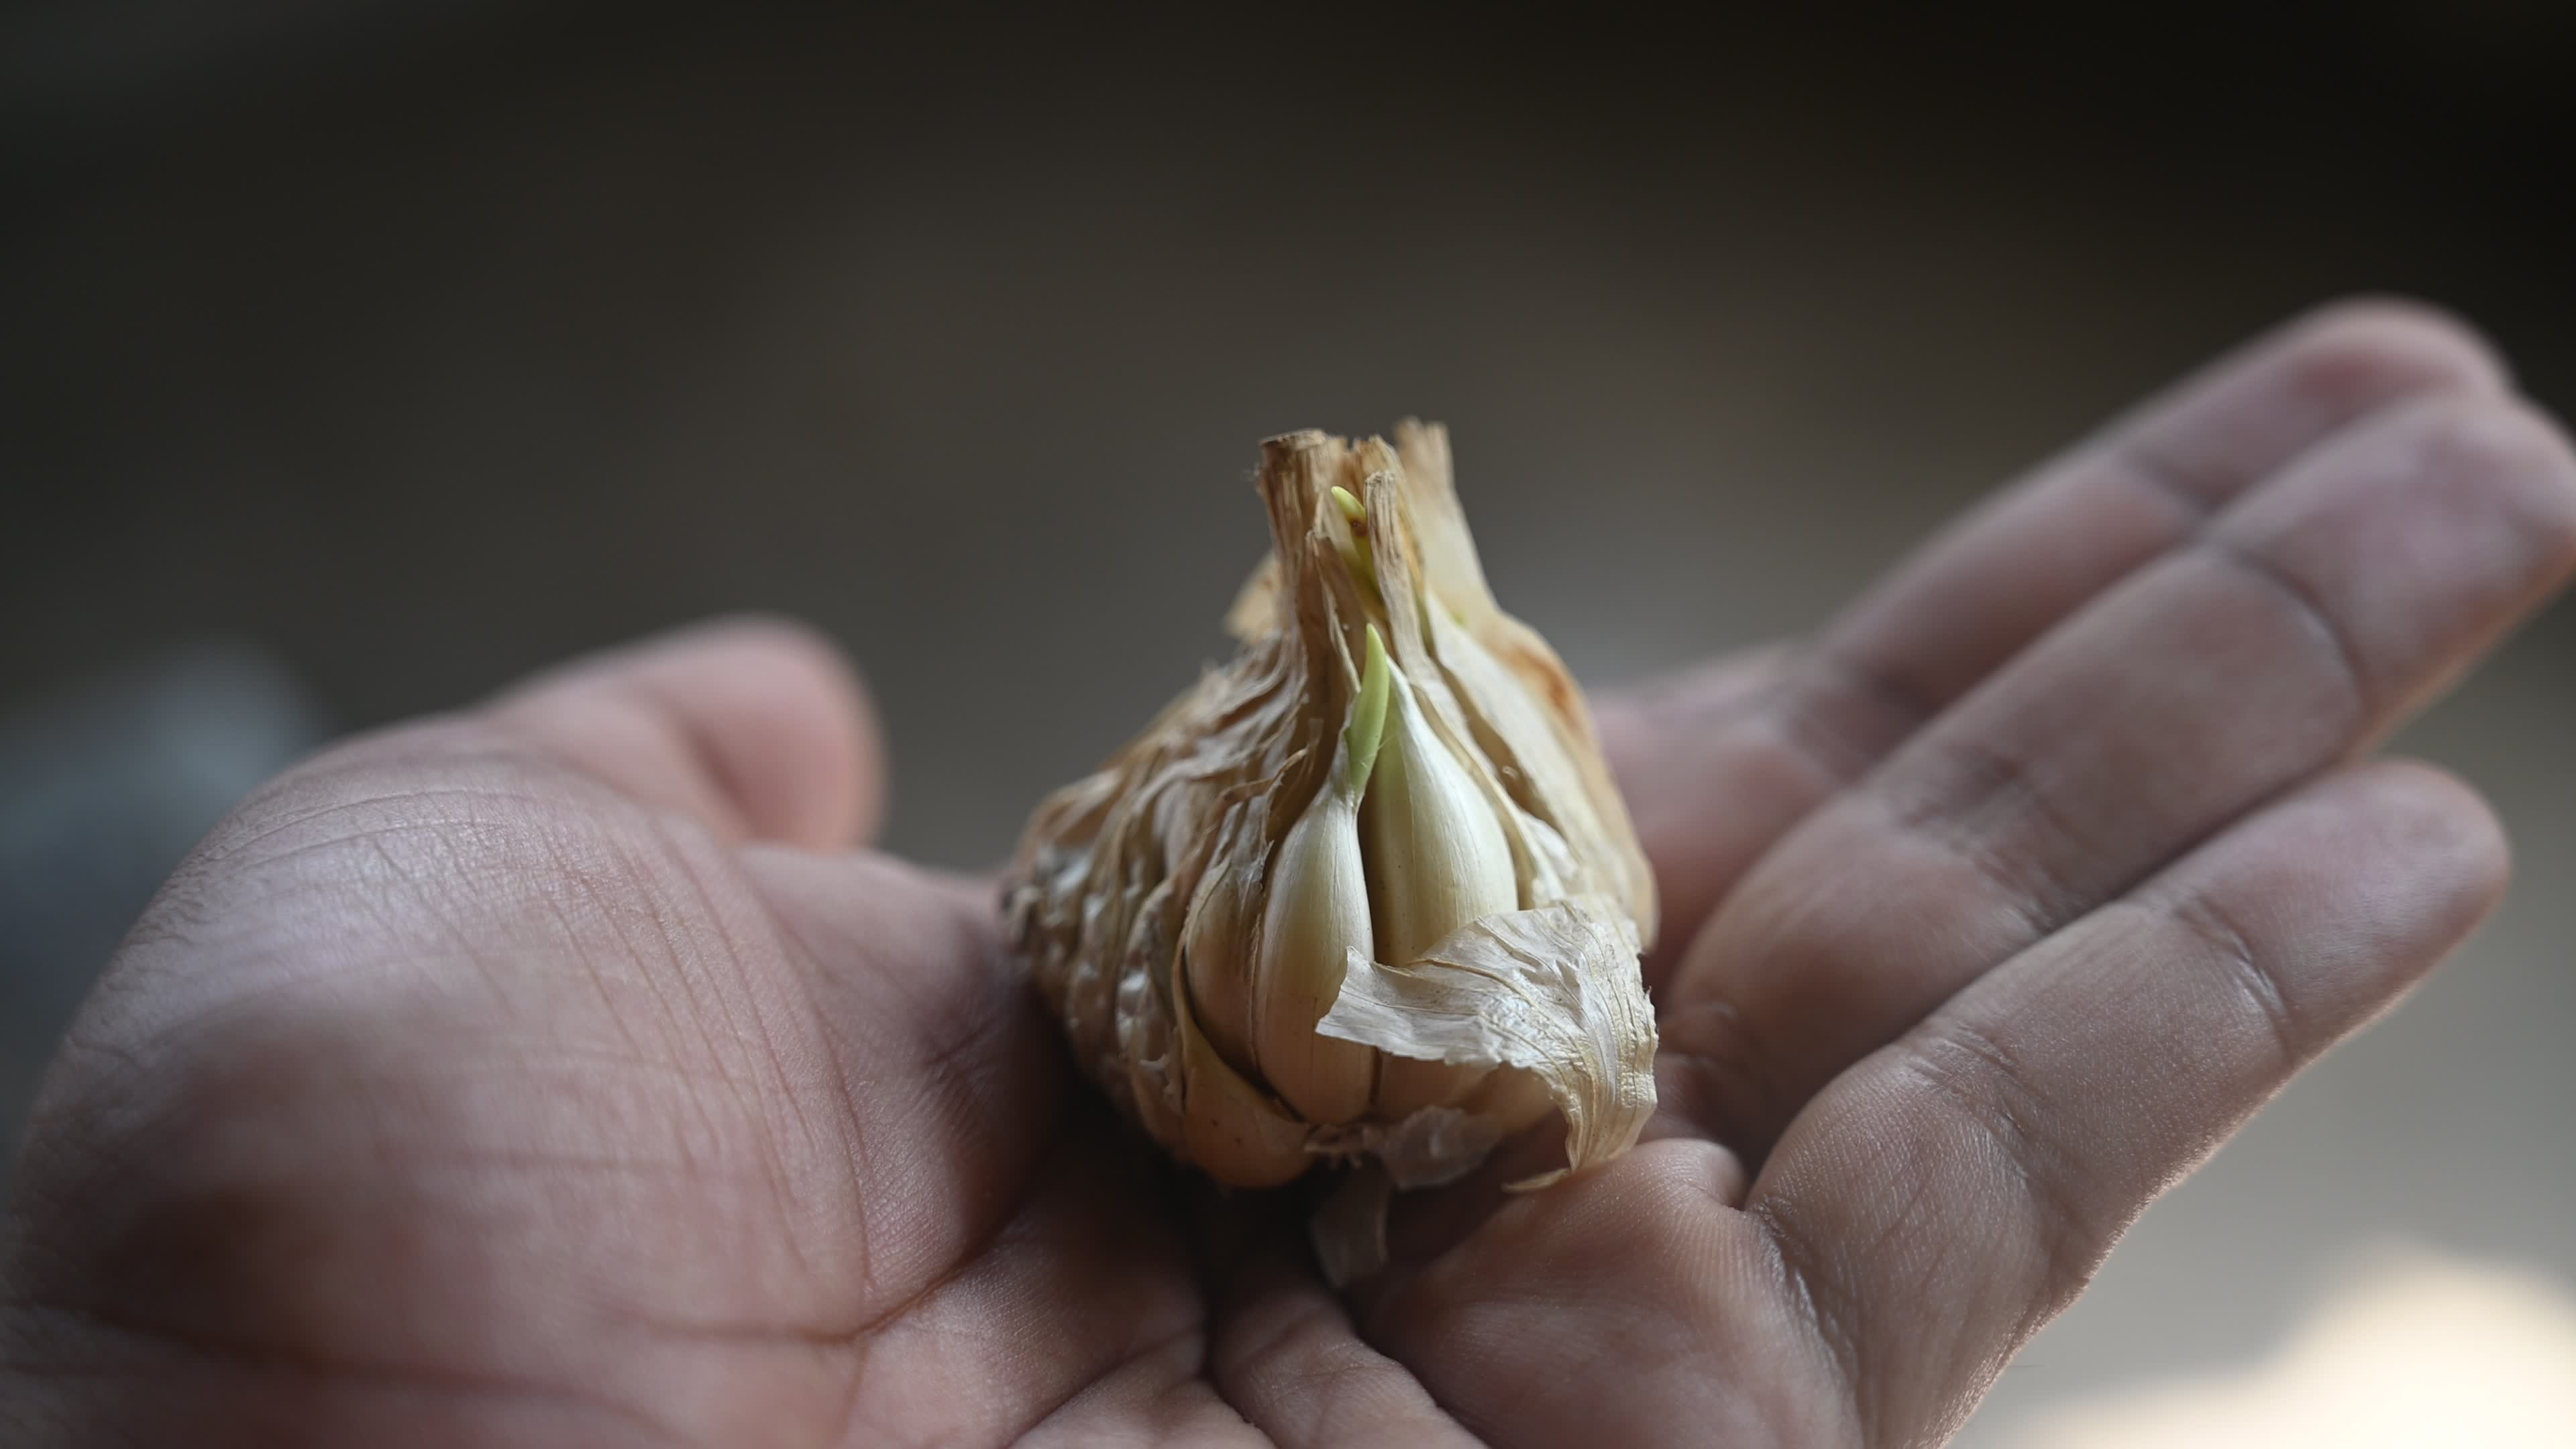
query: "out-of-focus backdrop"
358, 355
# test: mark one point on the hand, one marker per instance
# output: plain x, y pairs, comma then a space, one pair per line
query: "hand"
561, 1073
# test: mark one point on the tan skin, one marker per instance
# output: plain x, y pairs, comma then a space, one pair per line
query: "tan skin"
567, 1071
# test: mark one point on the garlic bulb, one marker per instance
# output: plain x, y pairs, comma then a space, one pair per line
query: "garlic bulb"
1367, 892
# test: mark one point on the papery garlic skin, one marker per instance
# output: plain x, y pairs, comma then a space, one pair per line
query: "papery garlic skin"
1366, 892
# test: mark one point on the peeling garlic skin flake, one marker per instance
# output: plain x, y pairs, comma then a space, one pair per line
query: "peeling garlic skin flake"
1367, 891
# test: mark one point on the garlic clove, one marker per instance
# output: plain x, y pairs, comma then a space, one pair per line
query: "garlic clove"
1317, 915
1234, 1133
1436, 860
1436, 855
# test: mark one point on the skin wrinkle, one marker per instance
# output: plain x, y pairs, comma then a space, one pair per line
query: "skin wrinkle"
984, 1242
1191, 1331
699, 985
1827, 684
2193, 495
956, 1037
785, 1198
2312, 613
1828, 1318
370, 836
784, 1086
1186, 1412
388, 923
1989, 1094
1062, 1171
859, 1146
852, 1153
829, 1058
605, 912
1342, 1356
651, 981
1981, 785
946, 1052
1922, 1257
1836, 1271
731, 963
1251, 1372
1933, 1255
435, 907
2233, 951
222, 848
781, 1209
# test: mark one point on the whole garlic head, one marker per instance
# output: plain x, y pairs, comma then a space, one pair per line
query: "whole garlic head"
1367, 891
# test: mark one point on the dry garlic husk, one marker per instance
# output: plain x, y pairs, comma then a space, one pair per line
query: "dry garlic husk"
1366, 892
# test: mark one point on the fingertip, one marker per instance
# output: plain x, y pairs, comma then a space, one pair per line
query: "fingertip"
2445, 828
2379, 346
2371, 876
804, 745
2512, 439
752, 724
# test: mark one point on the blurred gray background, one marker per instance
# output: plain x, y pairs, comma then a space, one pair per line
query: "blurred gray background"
357, 357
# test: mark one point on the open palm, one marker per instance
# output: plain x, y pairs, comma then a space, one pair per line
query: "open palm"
563, 1072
